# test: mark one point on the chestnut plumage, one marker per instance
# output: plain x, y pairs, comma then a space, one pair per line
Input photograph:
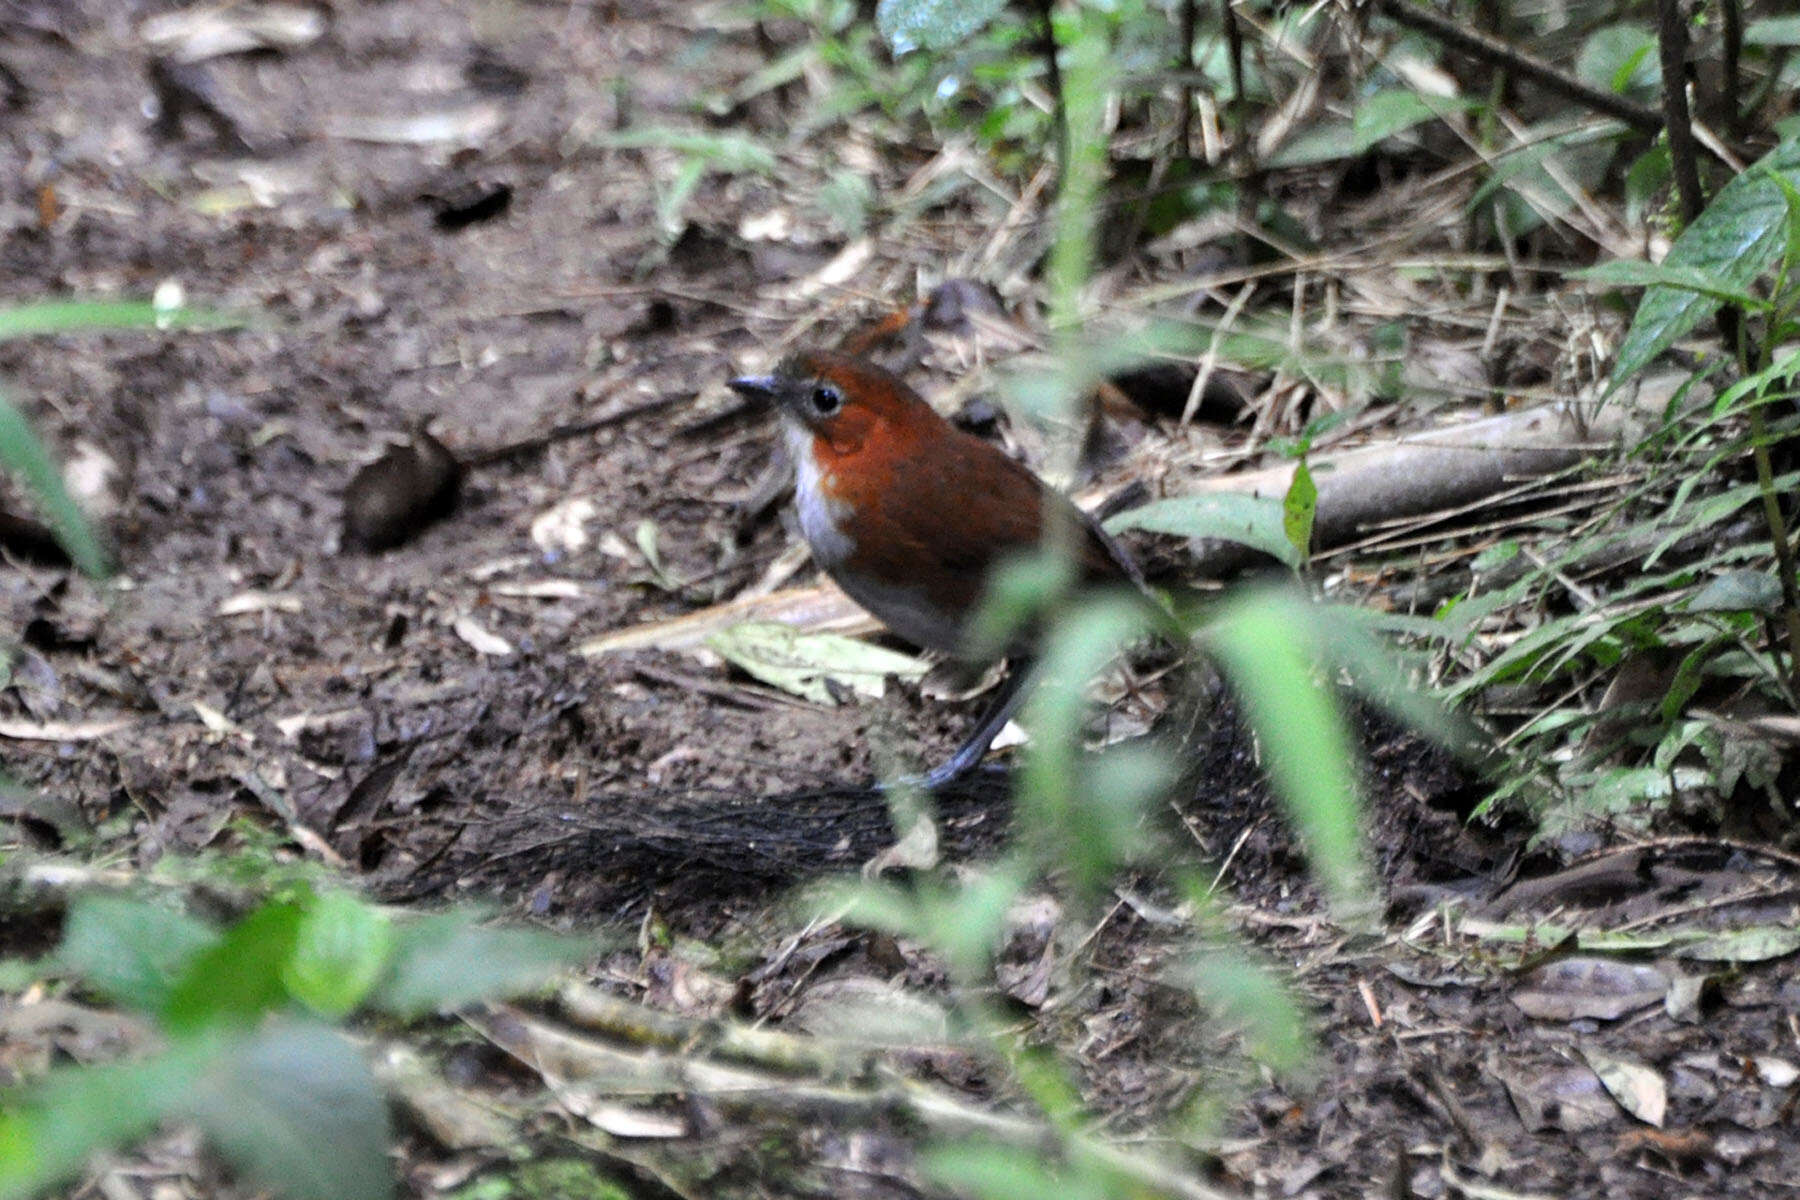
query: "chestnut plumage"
911, 515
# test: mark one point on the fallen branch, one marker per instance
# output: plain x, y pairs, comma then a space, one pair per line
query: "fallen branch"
1428, 472
870, 1090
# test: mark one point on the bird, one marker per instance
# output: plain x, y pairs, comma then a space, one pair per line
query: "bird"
911, 515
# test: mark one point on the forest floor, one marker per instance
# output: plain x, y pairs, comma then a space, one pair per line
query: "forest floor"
424, 717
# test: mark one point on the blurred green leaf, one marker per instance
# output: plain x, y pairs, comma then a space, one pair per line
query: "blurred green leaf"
340, 950
1634, 273
1020, 589
1298, 508
733, 153
996, 1172
238, 978
1395, 110
24, 456
130, 950
1228, 980
1621, 58
1263, 641
98, 316
1773, 31
295, 1106
1734, 241
443, 962
932, 24
1251, 521
1350, 640
1738, 591
48, 1132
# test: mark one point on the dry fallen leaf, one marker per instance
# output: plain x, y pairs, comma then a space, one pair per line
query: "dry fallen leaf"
480, 639
810, 664
1639, 1089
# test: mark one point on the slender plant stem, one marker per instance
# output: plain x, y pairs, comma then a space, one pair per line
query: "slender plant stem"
1730, 80
1053, 67
1778, 534
1234, 45
1190, 19
1672, 39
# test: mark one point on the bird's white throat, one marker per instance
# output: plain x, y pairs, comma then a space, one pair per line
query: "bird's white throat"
820, 515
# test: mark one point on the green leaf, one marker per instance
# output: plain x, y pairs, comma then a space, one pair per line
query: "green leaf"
130, 950
1252, 521
1246, 992
1738, 591
732, 153
295, 1106
1298, 508
1733, 242
22, 454
1636, 273
932, 24
1620, 58
992, 1171
807, 664
238, 978
48, 1132
1395, 110
1262, 641
341, 949
88, 316
1349, 638
443, 962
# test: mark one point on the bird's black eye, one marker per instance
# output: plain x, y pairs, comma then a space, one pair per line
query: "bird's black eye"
826, 399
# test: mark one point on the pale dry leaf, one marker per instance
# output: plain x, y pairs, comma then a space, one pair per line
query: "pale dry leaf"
808, 665
246, 603
819, 608
480, 639
61, 731
1639, 1089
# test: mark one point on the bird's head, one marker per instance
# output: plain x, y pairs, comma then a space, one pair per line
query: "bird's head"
842, 402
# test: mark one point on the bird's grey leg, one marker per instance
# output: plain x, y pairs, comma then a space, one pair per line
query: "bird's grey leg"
1005, 703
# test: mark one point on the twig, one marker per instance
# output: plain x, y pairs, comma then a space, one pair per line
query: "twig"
1054, 68
563, 433
1479, 46
1241, 143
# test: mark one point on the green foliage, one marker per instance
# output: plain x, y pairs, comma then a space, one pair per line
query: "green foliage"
1229, 516
698, 154
1740, 236
288, 1099
22, 454
932, 24
1652, 653
1268, 645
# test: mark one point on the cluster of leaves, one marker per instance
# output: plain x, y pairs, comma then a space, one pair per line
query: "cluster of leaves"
244, 1015
246, 1018
1084, 819
1710, 624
